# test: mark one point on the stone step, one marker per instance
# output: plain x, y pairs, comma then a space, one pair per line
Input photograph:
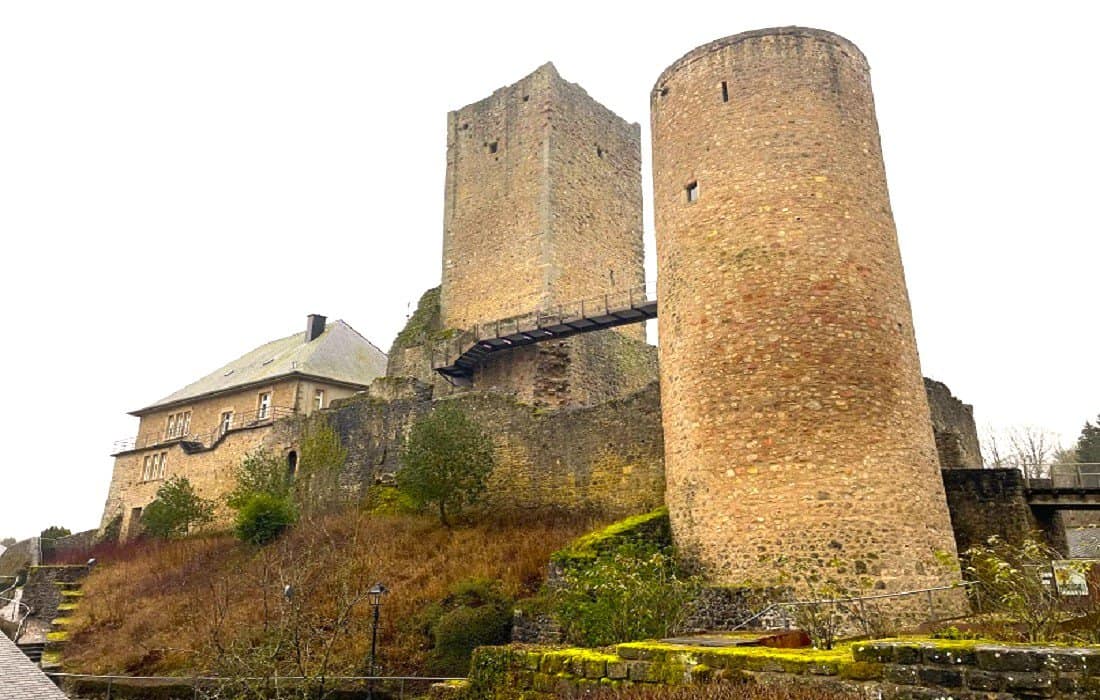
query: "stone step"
56, 640
33, 650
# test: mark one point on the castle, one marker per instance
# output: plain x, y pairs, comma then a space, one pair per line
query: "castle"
789, 419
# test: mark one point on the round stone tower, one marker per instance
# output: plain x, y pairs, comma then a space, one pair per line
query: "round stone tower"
797, 432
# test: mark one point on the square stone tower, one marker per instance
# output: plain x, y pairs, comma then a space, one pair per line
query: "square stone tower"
544, 208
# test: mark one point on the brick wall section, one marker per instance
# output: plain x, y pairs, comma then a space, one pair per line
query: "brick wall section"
953, 428
605, 458
795, 420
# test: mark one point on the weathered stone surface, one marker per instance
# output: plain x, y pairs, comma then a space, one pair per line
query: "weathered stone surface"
776, 245
543, 207
953, 427
987, 502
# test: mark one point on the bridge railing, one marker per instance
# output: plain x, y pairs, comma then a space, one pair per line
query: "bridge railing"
1082, 475
614, 300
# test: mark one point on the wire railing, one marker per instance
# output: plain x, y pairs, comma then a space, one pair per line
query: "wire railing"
19, 609
417, 686
237, 421
780, 615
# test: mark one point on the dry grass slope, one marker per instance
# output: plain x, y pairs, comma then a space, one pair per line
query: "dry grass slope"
212, 605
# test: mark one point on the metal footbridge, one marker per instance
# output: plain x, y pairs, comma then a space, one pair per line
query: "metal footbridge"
470, 348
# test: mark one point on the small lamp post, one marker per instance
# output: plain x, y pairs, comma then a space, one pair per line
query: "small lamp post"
374, 595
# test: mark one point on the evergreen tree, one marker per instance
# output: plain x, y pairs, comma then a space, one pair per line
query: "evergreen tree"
1088, 444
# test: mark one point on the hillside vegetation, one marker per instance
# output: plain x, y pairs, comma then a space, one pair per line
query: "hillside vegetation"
212, 605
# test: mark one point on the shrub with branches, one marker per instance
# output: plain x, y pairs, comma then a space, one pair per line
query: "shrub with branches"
175, 510
446, 460
1010, 579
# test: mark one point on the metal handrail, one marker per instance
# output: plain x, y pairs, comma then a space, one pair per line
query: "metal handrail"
18, 604
550, 315
248, 419
1069, 475
196, 680
854, 599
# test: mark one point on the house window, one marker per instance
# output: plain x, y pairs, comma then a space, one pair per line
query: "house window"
162, 465
319, 398
146, 469
725, 92
179, 424
291, 464
264, 406
692, 190
227, 422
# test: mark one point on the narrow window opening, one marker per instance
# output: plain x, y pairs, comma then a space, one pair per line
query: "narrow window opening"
664, 92
725, 92
291, 464
692, 190
526, 97
493, 147
465, 127
599, 152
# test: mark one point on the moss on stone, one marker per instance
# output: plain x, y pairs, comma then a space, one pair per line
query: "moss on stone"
66, 607
59, 636
424, 322
650, 527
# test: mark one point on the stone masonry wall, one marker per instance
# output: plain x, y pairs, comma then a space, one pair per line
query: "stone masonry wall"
791, 387
41, 592
906, 670
606, 458
212, 472
953, 427
543, 207
987, 502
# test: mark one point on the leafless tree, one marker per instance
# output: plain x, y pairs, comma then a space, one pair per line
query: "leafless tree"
1028, 448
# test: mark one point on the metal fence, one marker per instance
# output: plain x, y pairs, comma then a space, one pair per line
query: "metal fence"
858, 613
218, 687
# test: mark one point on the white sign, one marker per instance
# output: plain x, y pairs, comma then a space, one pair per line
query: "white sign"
1070, 578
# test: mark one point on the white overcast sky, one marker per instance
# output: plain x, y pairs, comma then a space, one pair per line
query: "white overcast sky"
183, 181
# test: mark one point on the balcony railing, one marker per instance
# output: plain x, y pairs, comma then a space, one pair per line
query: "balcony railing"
239, 421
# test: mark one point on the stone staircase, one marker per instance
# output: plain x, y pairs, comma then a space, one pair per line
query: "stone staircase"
50, 656
33, 650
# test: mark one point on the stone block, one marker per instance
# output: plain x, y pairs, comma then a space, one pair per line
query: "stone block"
949, 657
1008, 659
638, 671
984, 680
874, 653
617, 670
908, 653
1032, 685
941, 677
903, 675
594, 668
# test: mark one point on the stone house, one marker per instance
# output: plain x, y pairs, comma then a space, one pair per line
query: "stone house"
203, 430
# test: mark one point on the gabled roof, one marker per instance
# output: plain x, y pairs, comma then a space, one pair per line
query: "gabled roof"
339, 354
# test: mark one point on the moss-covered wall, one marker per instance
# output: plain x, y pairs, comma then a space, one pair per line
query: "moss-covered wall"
892, 669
